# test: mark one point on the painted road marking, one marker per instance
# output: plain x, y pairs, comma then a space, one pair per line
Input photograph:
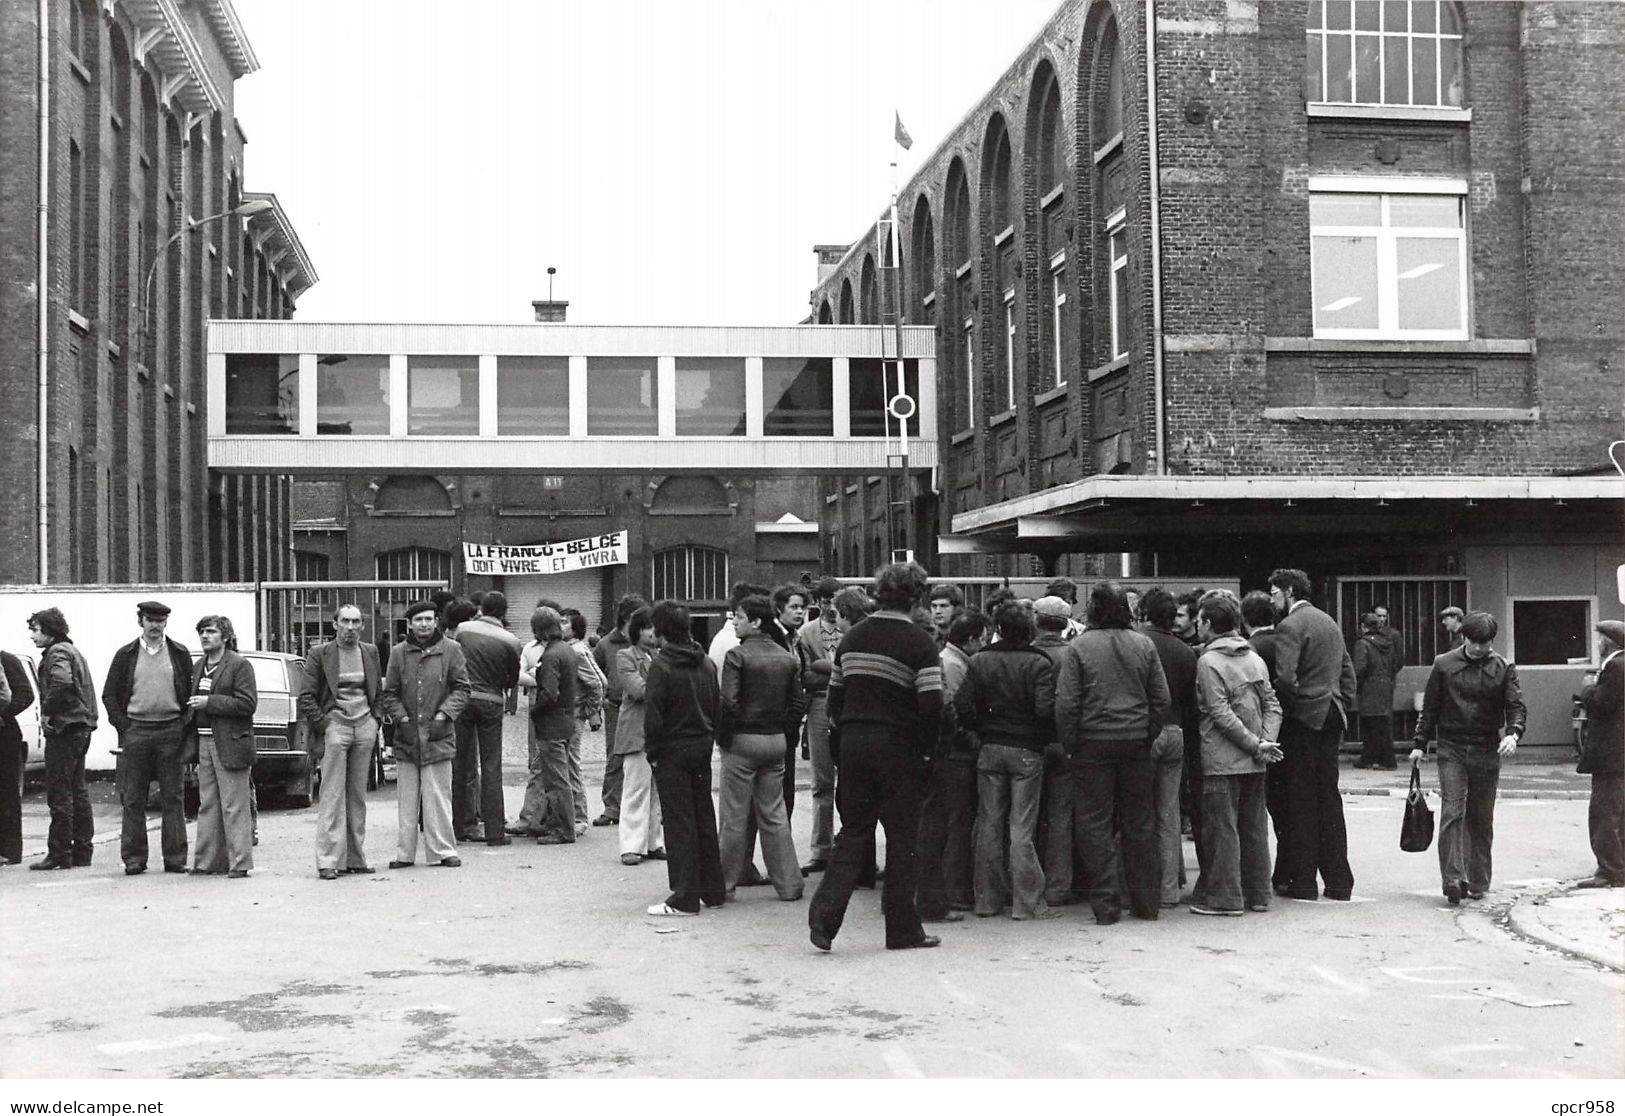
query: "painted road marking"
900, 1064
1522, 999
1409, 974
175, 1042
1336, 981
1277, 1060
84, 881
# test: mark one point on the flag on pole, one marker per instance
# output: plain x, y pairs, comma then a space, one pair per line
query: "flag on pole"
904, 140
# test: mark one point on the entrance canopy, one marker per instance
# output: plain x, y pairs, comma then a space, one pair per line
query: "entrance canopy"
1134, 512
322, 398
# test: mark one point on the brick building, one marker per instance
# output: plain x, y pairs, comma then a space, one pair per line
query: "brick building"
1329, 284
142, 152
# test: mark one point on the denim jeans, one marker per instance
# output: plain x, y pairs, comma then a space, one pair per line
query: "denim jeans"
341, 815
823, 776
478, 763
1009, 785
68, 841
552, 774
753, 788
1057, 824
1236, 834
1117, 780
1466, 818
1169, 753
151, 750
614, 771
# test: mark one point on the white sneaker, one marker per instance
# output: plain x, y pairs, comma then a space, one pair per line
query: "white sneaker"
662, 910
581, 829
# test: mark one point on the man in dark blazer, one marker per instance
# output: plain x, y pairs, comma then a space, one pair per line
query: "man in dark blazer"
145, 696
1604, 759
1314, 678
16, 694
339, 700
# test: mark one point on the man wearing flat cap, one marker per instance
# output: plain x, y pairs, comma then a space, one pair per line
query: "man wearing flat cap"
1604, 759
146, 700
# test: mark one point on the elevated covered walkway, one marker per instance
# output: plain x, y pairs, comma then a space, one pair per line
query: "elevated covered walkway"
323, 398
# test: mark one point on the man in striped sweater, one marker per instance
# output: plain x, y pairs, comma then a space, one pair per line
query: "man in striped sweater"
885, 707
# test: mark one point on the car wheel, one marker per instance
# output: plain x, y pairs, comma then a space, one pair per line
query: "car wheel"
304, 792
375, 770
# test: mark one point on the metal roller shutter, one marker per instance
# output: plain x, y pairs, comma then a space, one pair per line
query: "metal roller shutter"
582, 589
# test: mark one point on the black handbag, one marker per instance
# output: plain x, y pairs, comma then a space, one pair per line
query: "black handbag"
1416, 832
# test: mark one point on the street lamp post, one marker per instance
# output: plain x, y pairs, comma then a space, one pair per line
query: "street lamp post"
246, 209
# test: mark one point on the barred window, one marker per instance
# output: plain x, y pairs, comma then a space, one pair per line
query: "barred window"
690, 573
414, 563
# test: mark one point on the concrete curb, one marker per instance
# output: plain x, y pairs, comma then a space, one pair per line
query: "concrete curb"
1526, 917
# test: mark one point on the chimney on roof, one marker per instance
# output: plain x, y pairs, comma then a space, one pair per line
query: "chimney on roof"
829, 258
550, 310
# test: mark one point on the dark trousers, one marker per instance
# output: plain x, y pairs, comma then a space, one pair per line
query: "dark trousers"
476, 770
1117, 779
1607, 823
613, 775
1275, 800
947, 815
1377, 736
68, 840
151, 751
1467, 786
693, 860
882, 780
792, 745
13, 755
1315, 838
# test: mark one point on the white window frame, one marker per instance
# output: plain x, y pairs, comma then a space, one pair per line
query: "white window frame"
1057, 284
1010, 349
968, 335
1386, 235
1405, 40
1117, 233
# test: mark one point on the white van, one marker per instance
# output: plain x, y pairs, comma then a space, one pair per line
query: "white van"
29, 722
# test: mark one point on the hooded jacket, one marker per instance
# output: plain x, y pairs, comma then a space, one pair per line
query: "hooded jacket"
422, 680
1237, 706
1376, 661
681, 700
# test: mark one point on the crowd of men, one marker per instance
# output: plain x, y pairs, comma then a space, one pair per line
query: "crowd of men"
1020, 757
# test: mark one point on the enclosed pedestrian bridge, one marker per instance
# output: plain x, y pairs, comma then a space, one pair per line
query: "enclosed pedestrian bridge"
314, 397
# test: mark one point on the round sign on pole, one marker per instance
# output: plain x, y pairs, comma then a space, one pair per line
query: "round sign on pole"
901, 407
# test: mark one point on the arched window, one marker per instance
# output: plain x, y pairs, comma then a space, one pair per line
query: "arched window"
868, 302
1003, 317
413, 563
825, 315
1367, 52
1109, 102
1112, 310
962, 320
846, 302
690, 573
924, 256
1048, 164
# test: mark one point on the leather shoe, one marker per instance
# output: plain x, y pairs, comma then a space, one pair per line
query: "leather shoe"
553, 839
1474, 893
812, 866
605, 819
327, 873
237, 874
1110, 918
49, 865
926, 941
1340, 896
820, 939
1308, 895
655, 854
496, 841
363, 870
1596, 881
400, 864
1452, 893
948, 916
134, 869
451, 862
177, 868
519, 831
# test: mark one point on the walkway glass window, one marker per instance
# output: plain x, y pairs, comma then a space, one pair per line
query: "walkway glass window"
533, 396
710, 397
443, 395
622, 396
352, 394
871, 391
798, 396
262, 393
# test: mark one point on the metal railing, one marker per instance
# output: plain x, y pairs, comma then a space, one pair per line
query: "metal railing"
294, 615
